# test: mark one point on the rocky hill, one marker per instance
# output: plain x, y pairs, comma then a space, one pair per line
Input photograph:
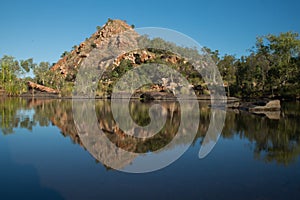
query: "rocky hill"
119, 36
68, 65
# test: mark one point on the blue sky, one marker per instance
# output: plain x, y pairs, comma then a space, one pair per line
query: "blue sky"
44, 29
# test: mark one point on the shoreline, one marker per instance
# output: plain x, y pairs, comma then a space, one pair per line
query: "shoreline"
199, 98
149, 96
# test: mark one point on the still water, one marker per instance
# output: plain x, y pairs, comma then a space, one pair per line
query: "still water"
43, 157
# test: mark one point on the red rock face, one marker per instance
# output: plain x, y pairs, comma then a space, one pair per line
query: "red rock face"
143, 55
72, 61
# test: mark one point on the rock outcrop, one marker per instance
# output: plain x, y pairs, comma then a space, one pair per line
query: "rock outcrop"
68, 65
114, 49
157, 96
41, 88
273, 105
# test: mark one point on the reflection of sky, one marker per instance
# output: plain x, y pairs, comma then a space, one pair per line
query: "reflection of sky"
26, 113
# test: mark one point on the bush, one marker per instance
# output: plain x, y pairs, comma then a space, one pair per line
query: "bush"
93, 45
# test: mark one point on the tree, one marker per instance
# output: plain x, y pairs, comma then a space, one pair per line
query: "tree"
27, 65
214, 55
11, 70
272, 68
47, 77
41, 73
278, 61
228, 71
65, 53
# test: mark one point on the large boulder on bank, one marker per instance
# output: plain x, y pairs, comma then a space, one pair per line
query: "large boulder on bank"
157, 96
41, 88
273, 105
233, 104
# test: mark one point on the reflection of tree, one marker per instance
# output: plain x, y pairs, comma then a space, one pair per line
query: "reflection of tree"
273, 140
10, 118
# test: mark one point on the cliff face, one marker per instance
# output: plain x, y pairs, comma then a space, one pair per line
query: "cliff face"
68, 65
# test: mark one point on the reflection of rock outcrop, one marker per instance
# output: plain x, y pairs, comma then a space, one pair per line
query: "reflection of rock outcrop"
32, 102
139, 112
60, 114
269, 114
103, 138
94, 140
272, 140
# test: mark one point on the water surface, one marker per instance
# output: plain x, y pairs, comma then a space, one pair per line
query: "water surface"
42, 156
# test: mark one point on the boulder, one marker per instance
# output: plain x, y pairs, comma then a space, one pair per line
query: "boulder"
233, 104
157, 96
41, 88
273, 105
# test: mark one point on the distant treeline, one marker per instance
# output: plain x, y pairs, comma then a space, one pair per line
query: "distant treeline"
271, 70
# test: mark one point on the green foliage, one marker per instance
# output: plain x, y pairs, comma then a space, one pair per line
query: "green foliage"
158, 45
65, 53
67, 89
228, 71
272, 69
11, 71
49, 78
93, 45
42, 74
27, 64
